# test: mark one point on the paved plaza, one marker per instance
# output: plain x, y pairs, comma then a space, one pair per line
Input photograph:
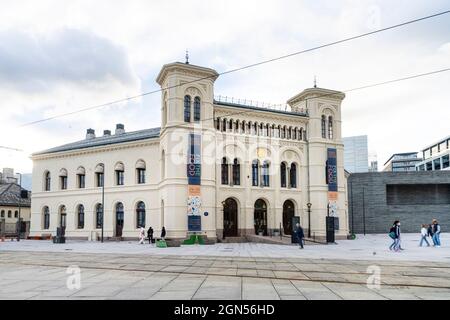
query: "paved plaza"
127, 270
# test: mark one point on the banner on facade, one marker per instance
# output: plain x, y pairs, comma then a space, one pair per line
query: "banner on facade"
194, 159
332, 170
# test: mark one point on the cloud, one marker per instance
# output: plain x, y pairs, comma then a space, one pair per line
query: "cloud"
36, 62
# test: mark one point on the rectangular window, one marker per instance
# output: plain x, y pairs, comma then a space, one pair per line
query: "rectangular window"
63, 183
422, 167
429, 166
141, 176
418, 194
81, 181
120, 178
437, 164
445, 161
100, 179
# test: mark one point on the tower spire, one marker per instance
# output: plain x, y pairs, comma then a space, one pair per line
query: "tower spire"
187, 57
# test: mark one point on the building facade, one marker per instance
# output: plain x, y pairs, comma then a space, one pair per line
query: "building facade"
376, 200
356, 154
402, 162
14, 205
238, 169
436, 156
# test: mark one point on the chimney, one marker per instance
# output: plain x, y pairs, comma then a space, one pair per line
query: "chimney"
120, 128
90, 134
106, 133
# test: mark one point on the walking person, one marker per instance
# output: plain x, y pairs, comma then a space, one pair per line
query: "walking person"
393, 236
430, 233
436, 234
141, 235
150, 235
163, 233
399, 239
424, 234
299, 234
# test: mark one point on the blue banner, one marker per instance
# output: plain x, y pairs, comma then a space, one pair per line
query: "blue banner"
194, 160
194, 223
332, 170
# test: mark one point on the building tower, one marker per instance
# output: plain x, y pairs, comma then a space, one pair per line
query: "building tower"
187, 129
325, 157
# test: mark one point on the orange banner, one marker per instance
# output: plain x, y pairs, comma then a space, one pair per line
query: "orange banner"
194, 190
332, 196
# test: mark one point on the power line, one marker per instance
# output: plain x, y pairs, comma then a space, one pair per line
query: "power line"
330, 94
239, 69
9, 148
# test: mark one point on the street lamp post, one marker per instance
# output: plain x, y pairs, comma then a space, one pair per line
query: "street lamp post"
309, 219
20, 200
103, 199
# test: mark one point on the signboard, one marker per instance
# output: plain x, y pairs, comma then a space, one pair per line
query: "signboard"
194, 223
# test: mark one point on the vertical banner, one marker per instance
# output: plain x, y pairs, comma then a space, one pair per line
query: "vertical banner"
194, 160
332, 181
194, 176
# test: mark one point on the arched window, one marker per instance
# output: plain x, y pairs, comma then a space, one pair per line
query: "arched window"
300, 134
120, 174
100, 175
283, 174
265, 174
293, 176
218, 124
47, 181
80, 217
46, 219
230, 125
225, 180
224, 125
187, 108
140, 171
324, 127
2, 215
236, 173
330, 127
63, 179
255, 173
294, 137
98, 216
283, 132
140, 215
255, 128
243, 127
267, 130
81, 177
236, 126
289, 133
197, 109
261, 129
62, 216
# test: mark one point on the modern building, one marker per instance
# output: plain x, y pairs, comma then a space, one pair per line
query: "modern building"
219, 168
402, 162
14, 204
356, 154
376, 200
436, 156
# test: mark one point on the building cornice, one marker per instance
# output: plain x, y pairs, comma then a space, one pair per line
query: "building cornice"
189, 69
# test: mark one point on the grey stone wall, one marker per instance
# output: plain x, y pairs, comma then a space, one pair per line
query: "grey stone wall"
369, 211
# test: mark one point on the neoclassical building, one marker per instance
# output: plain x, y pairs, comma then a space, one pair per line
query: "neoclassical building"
225, 169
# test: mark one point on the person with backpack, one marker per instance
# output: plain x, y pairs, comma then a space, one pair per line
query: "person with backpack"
392, 235
436, 234
424, 234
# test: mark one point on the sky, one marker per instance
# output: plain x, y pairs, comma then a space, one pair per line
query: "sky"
62, 56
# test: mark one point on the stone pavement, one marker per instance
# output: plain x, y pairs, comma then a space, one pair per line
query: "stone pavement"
370, 247
43, 275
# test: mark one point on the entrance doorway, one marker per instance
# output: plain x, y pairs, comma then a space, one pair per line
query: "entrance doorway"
119, 219
260, 217
288, 214
230, 220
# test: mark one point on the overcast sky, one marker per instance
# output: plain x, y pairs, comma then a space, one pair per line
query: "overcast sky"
60, 56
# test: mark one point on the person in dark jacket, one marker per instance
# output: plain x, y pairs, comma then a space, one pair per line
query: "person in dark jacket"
150, 235
163, 233
393, 235
430, 230
299, 235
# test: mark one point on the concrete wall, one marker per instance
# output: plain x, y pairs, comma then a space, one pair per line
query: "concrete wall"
376, 216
